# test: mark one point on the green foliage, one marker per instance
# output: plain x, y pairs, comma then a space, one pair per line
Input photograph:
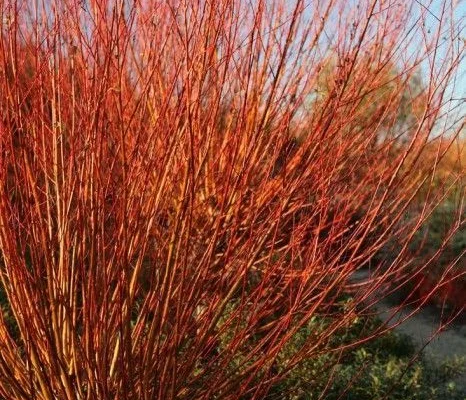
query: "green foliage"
7, 315
383, 368
434, 234
440, 222
351, 365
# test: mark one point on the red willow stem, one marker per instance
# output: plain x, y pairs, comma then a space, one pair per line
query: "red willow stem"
186, 185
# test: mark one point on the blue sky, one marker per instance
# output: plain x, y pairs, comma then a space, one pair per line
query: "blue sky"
458, 87
461, 15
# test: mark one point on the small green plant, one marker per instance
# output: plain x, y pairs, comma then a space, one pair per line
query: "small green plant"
387, 367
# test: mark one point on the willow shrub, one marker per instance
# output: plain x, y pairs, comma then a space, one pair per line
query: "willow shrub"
179, 197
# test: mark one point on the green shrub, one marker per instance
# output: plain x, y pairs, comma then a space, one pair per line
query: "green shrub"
435, 230
384, 368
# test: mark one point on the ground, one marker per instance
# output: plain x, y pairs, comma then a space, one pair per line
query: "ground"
425, 328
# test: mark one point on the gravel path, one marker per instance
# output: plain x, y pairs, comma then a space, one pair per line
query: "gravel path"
423, 327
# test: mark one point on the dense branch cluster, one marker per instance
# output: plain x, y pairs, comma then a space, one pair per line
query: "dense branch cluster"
186, 184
